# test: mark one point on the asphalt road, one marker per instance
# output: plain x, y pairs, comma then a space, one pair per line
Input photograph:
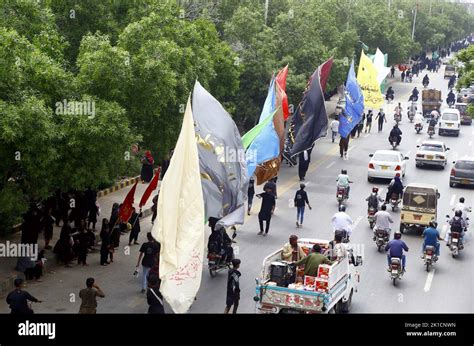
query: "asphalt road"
447, 288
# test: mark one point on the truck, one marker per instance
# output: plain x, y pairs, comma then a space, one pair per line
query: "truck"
330, 292
430, 99
449, 71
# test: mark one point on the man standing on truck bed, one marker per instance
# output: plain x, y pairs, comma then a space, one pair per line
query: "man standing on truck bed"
313, 260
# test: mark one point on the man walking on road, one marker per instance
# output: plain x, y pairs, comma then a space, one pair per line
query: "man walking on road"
89, 297
148, 251
368, 121
301, 199
233, 287
381, 118
18, 299
344, 146
334, 128
392, 72
266, 210
135, 222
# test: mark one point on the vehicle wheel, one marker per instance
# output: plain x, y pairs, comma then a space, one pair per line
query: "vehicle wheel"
451, 184
379, 248
417, 165
345, 307
394, 281
439, 133
212, 272
370, 179
371, 224
457, 134
402, 228
428, 267
393, 208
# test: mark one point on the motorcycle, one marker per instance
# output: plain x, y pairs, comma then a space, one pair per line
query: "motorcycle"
393, 142
429, 256
397, 118
431, 131
389, 98
396, 271
413, 98
425, 84
394, 201
341, 195
418, 127
371, 217
344, 234
411, 116
381, 238
450, 102
455, 243
216, 263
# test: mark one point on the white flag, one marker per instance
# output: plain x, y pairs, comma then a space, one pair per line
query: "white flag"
180, 226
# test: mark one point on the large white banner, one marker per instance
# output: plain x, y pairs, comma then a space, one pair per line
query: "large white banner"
180, 226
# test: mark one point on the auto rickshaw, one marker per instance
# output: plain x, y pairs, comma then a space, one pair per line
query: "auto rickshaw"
420, 202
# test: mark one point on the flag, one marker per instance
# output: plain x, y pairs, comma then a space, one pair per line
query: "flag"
269, 169
180, 226
324, 73
266, 146
367, 79
221, 156
281, 83
354, 107
151, 187
380, 66
249, 137
310, 121
125, 211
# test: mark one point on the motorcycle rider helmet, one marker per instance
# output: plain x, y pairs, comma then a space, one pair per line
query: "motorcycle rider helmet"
343, 171
433, 224
375, 189
458, 213
342, 208
461, 200
397, 235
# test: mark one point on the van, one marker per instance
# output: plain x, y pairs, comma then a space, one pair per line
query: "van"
450, 122
465, 117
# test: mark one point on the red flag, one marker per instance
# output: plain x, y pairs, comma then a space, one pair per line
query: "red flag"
281, 81
151, 187
125, 210
324, 71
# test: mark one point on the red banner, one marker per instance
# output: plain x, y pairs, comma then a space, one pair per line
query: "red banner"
151, 187
125, 211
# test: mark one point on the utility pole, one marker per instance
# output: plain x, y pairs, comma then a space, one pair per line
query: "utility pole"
266, 11
414, 23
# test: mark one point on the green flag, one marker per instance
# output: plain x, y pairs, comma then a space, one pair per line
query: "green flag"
249, 137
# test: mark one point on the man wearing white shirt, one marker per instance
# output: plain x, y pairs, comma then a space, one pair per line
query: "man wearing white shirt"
342, 222
334, 128
383, 220
462, 207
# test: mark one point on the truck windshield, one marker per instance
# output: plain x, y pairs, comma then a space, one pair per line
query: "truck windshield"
450, 116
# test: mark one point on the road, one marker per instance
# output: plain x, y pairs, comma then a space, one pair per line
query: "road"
448, 288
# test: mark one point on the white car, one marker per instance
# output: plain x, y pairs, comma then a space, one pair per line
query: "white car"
432, 153
450, 122
386, 164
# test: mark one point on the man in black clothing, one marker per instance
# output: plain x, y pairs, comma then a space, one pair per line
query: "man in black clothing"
301, 199
135, 222
154, 208
233, 287
18, 299
250, 194
148, 252
396, 134
219, 241
381, 118
266, 210
271, 184
304, 158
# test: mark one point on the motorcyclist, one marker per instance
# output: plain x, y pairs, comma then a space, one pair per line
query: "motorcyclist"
435, 114
219, 242
457, 225
426, 80
451, 99
395, 133
451, 82
343, 181
412, 109
463, 208
390, 94
374, 199
395, 248
383, 220
398, 110
342, 222
432, 124
419, 119
395, 186
431, 237
414, 95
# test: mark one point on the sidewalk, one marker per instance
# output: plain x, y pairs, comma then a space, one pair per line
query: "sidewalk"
8, 264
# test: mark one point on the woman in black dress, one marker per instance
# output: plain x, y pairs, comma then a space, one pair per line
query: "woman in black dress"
153, 295
105, 246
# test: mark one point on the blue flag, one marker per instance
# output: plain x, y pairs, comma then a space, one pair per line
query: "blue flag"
354, 107
266, 146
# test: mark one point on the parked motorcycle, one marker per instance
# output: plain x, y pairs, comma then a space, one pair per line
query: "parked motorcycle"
381, 238
396, 270
429, 256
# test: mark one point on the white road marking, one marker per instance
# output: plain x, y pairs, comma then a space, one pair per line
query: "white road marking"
331, 164
352, 148
418, 140
429, 280
357, 222
453, 198
470, 143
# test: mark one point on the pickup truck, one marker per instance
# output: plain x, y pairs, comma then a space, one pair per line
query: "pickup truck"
331, 294
430, 99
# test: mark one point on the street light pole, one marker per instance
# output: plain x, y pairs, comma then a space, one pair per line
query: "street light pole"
266, 11
414, 22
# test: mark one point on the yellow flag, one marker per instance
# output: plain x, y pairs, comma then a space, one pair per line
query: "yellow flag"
367, 79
